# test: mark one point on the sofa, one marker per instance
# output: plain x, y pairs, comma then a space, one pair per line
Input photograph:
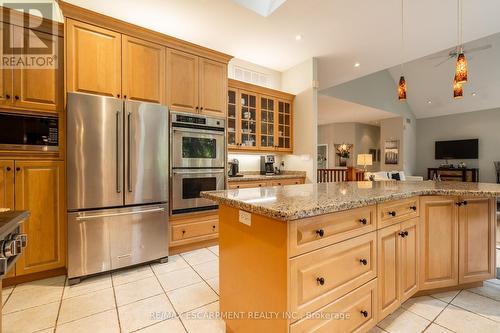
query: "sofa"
391, 175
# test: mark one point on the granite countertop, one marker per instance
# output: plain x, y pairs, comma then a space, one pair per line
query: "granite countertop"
299, 201
247, 177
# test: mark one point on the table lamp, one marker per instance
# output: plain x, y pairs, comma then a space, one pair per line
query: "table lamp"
364, 160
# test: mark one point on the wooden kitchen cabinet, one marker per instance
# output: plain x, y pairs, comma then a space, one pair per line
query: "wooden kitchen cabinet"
196, 84
213, 87
260, 118
263, 183
6, 84
398, 265
93, 59
143, 70
39, 89
439, 242
477, 219
7, 184
39, 188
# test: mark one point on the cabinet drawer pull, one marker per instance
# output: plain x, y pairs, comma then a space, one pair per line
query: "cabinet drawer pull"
320, 232
7, 96
362, 221
320, 280
18, 169
403, 234
364, 313
364, 262
392, 213
16, 97
464, 202
414, 208
8, 168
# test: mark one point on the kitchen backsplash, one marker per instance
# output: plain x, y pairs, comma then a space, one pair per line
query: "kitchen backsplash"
251, 162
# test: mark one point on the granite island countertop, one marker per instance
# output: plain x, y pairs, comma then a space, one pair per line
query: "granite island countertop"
248, 177
300, 201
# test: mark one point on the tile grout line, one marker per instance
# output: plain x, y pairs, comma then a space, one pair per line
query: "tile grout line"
168, 298
116, 303
202, 276
60, 304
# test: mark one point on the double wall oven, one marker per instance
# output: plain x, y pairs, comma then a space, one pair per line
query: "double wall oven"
197, 160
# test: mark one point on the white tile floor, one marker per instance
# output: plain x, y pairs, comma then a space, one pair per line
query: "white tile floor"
181, 295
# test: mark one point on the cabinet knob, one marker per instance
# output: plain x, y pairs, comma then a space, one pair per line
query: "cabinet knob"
364, 262
364, 313
201, 108
414, 208
118, 95
7, 96
392, 213
197, 108
213, 227
464, 202
8, 168
18, 169
125, 96
402, 234
16, 97
320, 232
362, 221
320, 280
183, 232
406, 233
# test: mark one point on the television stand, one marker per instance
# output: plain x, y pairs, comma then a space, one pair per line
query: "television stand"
454, 174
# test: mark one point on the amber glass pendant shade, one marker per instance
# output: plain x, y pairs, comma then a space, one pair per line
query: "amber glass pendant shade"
458, 90
402, 88
461, 69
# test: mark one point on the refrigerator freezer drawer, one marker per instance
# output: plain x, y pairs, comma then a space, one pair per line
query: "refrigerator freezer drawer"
108, 239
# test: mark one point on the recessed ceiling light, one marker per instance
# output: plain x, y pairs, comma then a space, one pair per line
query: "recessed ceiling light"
429, 102
357, 64
298, 37
474, 94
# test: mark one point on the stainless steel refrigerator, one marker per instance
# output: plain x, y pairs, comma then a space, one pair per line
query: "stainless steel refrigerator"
117, 183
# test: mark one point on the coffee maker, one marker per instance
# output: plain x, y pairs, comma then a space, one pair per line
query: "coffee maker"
267, 165
233, 168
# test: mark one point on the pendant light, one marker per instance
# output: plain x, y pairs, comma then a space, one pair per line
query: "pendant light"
402, 81
461, 65
458, 90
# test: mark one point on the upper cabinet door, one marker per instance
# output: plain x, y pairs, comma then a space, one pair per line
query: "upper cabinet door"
213, 87
438, 242
182, 81
6, 89
40, 89
284, 126
143, 70
248, 106
93, 59
477, 221
267, 122
233, 121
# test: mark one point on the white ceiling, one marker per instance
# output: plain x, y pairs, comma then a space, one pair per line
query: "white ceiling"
335, 110
338, 32
428, 82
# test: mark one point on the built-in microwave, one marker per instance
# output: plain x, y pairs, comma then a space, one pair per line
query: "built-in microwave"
29, 132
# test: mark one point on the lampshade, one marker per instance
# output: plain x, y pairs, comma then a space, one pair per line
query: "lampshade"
461, 69
458, 90
402, 88
365, 159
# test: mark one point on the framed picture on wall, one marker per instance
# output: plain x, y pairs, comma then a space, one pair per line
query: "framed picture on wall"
391, 151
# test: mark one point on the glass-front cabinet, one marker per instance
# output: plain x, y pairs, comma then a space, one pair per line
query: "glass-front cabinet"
258, 118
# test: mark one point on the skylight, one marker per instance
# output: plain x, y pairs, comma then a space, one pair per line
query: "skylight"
261, 7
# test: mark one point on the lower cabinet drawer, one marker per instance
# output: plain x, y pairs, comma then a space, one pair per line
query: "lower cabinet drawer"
319, 277
283, 182
393, 212
237, 185
354, 312
195, 229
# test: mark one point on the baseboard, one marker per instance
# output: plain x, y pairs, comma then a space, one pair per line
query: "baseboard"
33, 277
193, 246
442, 290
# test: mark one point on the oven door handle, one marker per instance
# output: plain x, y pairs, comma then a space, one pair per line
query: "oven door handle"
194, 172
197, 131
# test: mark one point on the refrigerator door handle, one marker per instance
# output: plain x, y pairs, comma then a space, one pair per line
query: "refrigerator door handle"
118, 182
129, 163
90, 217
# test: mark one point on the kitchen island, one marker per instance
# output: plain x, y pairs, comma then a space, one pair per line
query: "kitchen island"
342, 256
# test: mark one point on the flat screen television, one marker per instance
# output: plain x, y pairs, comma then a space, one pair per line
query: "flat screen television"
457, 149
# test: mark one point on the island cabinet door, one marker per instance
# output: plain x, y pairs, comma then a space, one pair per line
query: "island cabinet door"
477, 218
389, 242
438, 242
409, 251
